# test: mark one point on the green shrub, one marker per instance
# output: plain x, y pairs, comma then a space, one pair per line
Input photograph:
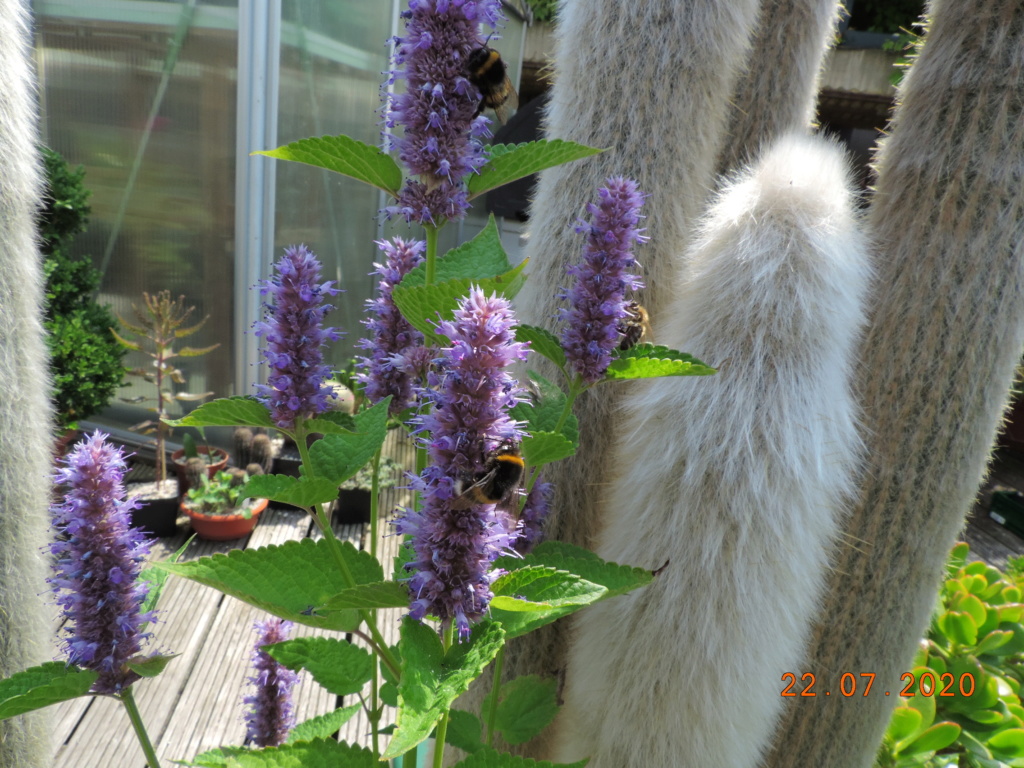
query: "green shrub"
543, 10
85, 358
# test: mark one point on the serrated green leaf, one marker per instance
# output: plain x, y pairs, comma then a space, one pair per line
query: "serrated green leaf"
464, 731
543, 594
432, 679
540, 448
41, 686
490, 758
617, 579
321, 726
383, 594
647, 361
337, 457
152, 666
337, 665
346, 156
543, 342
157, 579
330, 426
481, 258
226, 412
508, 163
939, 736
300, 491
424, 305
287, 580
318, 753
526, 706
213, 758
544, 412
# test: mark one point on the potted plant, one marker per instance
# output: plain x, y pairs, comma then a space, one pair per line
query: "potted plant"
216, 507
158, 327
213, 458
85, 359
353, 505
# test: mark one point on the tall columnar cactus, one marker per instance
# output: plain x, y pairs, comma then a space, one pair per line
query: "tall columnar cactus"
740, 505
25, 419
946, 330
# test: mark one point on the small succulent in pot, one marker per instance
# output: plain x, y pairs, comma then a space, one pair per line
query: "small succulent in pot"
220, 495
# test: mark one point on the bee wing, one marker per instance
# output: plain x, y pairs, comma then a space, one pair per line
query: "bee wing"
511, 102
465, 498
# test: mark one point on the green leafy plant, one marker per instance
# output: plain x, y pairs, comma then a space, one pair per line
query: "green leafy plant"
962, 706
220, 495
389, 474
157, 329
543, 10
85, 358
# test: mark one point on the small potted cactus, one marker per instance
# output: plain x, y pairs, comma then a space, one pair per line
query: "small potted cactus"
215, 459
215, 506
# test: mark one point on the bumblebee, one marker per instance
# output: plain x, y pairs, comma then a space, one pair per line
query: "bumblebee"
635, 327
486, 70
499, 481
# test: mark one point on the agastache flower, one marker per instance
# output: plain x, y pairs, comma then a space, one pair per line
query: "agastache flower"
472, 392
271, 713
294, 337
390, 333
97, 563
441, 141
531, 521
597, 300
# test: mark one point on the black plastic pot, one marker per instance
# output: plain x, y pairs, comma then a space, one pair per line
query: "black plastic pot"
353, 506
157, 515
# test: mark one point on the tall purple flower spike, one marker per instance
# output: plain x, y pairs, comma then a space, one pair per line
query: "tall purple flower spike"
441, 141
472, 392
271, 713
294, 336
97, 561
531, 521
390, 334
597, 300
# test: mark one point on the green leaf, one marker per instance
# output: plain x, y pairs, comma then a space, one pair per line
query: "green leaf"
534, 596
226, 412
346, 156
337, 665
541, 448
544, 411
647, 361
319, 753
287, 580
904, 726
432, 679
383, 594
300, 491
1010, 743
425, 305
337, 457
481, 258
939, 736
490, 758
959, 627
992, 642
157, 579
543, 342
213, 758
510, 162
38, 687
526, 707
322, 726
330, 426
406, 554
464, 731
152, 666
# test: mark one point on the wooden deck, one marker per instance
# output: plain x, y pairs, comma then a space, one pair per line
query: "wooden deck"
196, 704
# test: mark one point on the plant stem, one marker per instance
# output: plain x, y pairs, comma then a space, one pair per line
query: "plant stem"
431, 259
447, 636
375, 680
128, 699
492, 709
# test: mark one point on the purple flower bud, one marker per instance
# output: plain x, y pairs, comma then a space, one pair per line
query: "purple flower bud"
472, 392
440, 143
294, 337
597, 300
270, 714
97, 561
390, 333
531, 521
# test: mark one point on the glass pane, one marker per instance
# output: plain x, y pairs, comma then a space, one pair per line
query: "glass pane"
143, 95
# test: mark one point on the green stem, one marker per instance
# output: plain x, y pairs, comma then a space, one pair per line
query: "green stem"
492, 709
375, 501
325, 527
431, 259
375, 680
447, 637
128, 699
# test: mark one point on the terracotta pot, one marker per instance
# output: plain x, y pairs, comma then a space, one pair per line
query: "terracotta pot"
224, 527
218, 461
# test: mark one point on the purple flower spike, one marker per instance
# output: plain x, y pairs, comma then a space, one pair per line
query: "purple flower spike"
531, 521
98, 558
294, 337
472, 392
390, 333
597, 301
271, 714
441, 138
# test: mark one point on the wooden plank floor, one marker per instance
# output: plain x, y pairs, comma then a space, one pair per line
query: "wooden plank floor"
989, 540
196, 703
